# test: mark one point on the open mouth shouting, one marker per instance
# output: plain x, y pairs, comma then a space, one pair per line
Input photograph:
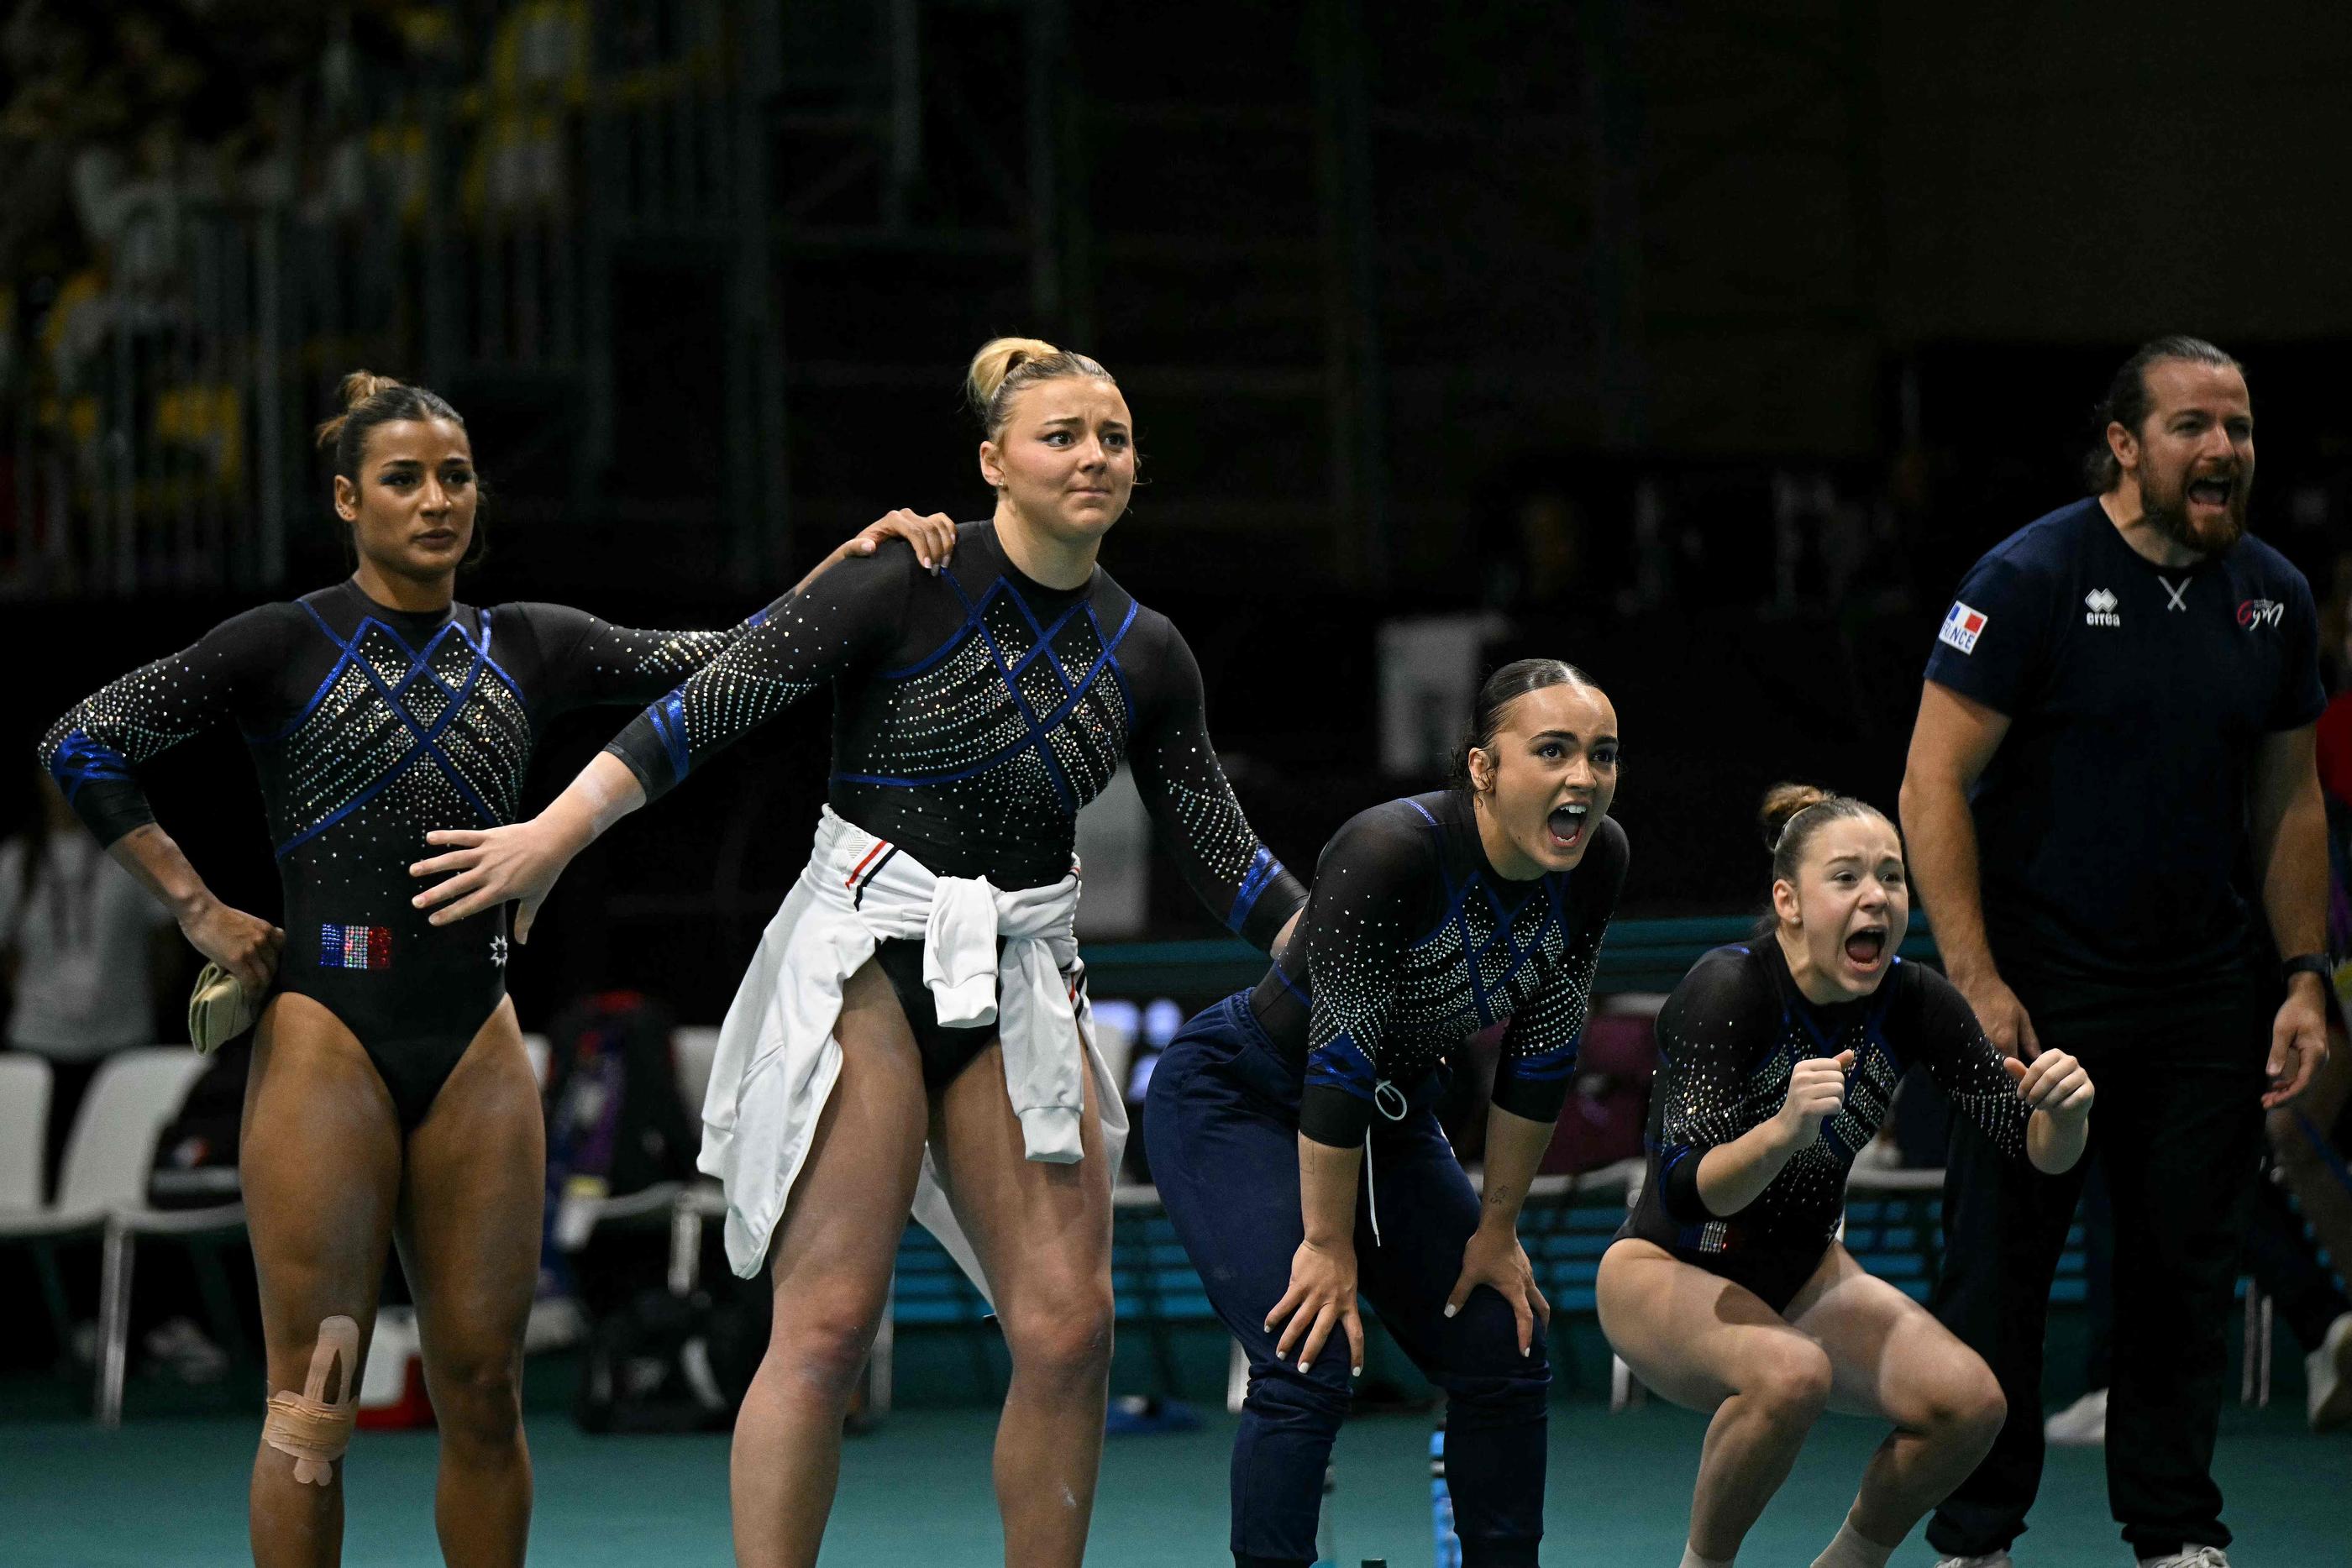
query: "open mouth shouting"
2214, 490
1866, 947
1568, 824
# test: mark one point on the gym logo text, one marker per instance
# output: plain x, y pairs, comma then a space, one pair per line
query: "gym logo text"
2099, 608
2259, 613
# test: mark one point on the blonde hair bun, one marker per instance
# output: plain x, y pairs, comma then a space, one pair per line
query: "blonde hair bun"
995, 360
1005, 365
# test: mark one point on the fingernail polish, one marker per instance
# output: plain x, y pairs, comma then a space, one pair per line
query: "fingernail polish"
1449, 1309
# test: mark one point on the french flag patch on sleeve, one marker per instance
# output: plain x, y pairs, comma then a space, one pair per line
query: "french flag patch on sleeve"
354, 946
1962, 627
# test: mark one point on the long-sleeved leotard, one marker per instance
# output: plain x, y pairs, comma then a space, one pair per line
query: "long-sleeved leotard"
1413, 942
975, 712
369, 726
1728, 1038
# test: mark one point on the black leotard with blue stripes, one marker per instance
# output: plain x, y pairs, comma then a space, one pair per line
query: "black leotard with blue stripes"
1728, 1038
975, 711
369, 727
1413, 942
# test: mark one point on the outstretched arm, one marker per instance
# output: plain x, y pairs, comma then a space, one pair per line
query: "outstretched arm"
798, 643
585, 659
933, 537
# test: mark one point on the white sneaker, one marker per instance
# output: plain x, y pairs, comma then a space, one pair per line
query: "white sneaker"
2082, 1424
1989, 1560
2327, 1377
182, 1347
2190, 1557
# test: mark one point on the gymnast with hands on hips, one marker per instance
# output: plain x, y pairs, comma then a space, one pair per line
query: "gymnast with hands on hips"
390, 1096
1728, 1290
1295, 1141
911, 1032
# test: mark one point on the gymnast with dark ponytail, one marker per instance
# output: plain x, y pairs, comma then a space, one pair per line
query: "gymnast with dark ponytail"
1728, 1290
1295, 1141
391, 1099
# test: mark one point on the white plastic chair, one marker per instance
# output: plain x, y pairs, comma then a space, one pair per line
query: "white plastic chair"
27, 1088
24, 1087
103, 1191
112, 1145
107, 1164
695, 1048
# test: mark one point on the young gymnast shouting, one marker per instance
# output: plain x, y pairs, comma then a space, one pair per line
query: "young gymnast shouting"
1728, 1290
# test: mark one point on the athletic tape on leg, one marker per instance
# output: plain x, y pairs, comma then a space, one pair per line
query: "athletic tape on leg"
305, 1425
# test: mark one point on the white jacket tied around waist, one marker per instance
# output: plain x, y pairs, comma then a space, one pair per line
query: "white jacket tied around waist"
777, 1056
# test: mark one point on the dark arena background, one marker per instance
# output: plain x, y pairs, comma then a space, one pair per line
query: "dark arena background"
1705, 345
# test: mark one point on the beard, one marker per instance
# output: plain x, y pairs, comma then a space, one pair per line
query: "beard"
2167, 506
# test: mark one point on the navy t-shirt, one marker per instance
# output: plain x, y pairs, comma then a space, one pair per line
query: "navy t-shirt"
2111, 821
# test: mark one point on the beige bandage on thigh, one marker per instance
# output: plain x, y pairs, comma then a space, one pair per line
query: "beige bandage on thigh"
304, 1425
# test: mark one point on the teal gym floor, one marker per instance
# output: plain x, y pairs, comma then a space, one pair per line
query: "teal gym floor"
168, 1493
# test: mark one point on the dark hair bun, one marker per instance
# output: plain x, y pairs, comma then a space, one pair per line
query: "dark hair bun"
1784, 801
352, 392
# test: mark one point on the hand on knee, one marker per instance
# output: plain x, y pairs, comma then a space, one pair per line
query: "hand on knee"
1065, 1340
1790, 1385
1473, 1404
1284, 1395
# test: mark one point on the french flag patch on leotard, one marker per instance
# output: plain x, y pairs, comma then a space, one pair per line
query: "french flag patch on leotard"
355, 946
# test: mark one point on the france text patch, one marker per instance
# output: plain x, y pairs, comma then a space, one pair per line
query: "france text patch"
1962, 626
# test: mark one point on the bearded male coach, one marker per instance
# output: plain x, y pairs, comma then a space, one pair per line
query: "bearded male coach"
2114, 822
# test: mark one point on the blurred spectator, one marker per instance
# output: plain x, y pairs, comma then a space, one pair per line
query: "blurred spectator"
87, 952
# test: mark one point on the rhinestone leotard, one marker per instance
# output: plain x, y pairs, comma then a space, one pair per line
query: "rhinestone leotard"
975, 711
1413, 942
1728, 1038
369, 726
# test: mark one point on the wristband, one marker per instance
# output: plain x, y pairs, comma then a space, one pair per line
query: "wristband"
2306, 964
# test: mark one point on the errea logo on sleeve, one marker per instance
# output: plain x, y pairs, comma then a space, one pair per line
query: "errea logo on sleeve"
1962, 627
